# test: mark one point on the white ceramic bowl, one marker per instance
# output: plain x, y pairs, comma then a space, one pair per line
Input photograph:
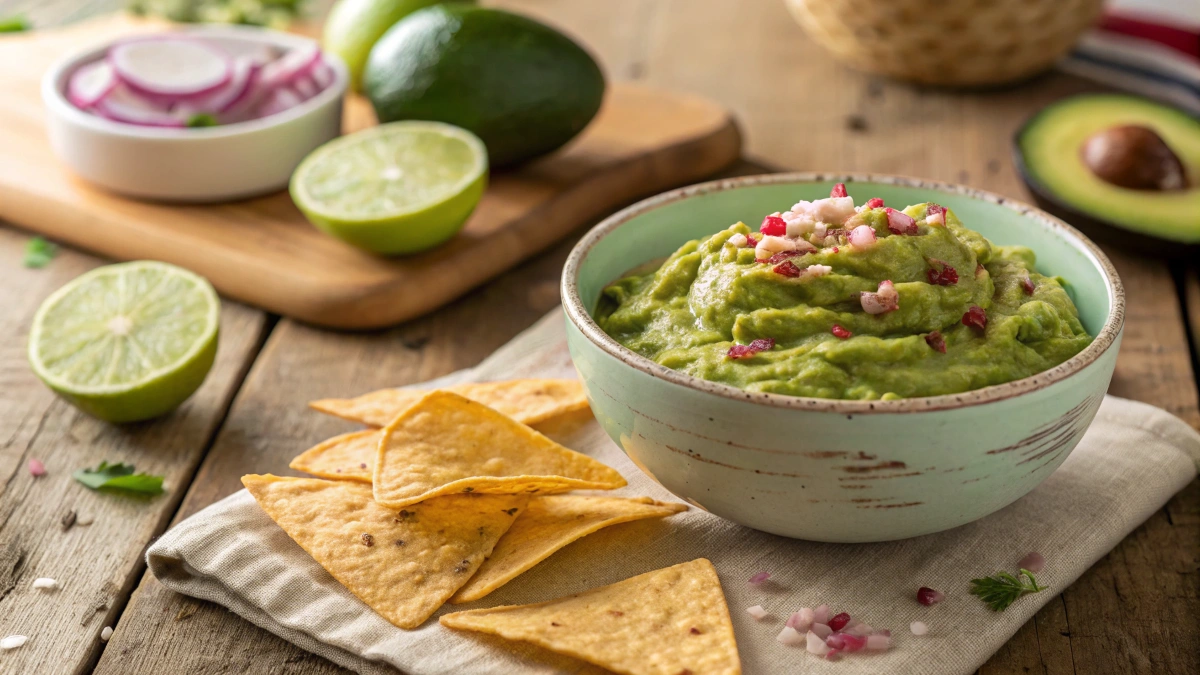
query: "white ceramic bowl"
207, 164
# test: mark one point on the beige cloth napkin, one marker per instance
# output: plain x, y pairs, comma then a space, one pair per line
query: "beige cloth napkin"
1132, 460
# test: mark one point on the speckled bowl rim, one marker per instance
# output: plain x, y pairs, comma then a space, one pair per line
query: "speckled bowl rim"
577, 312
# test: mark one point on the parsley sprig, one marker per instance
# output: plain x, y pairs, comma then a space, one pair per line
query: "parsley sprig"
1002, 589
119, 477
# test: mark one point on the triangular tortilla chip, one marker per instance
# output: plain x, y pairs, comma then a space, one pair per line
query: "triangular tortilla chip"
548, 524
665, 622
526, 401
403, 565
447, 444
347, 457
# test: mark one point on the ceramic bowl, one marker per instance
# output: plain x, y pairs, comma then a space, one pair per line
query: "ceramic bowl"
831, 470
192, 165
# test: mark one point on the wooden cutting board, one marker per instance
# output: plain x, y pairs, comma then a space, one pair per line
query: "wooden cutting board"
263, 252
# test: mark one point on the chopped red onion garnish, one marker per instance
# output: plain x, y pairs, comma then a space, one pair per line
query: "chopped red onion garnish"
1034, 562
847, 642
838, 190
822, 630
858, 629
774, 226
821, 614
839, 622
781, 256
945, 276
791, 637
840, 332
918, 628
745, 351
751, 241
787, 268
874, 203
756, 611
861, 236
935, 340
879, 642
1027, 286
927, 596
935, 214
802, 621
36, 468
976, 318
886, 299
816, 644
760, 577
900, 222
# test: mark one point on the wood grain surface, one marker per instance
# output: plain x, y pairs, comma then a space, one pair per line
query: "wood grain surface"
1137, 611
263, 251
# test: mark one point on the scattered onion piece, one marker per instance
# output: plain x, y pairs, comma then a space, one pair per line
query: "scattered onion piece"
1033, 561
918, 628
36, 468
900, 222
838, 190
757, 612
816, 644
759, 578
927, 596
791, 637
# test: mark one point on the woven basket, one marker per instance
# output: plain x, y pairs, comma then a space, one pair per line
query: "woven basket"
948, 42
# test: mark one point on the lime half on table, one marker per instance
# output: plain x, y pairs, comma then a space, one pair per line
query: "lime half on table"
127, 342
397, 188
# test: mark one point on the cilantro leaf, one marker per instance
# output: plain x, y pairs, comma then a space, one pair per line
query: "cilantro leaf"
39, 252
14, 24
1001, 590
119, 477
202, 120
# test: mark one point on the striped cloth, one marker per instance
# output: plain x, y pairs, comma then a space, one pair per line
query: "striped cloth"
1149, 47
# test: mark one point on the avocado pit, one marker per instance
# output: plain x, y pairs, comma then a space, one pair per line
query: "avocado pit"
1135, 157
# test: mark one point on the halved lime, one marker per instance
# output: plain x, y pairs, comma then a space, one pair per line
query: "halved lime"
127, 342
396, 188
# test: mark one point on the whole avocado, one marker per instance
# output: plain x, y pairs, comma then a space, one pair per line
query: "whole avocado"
524, 88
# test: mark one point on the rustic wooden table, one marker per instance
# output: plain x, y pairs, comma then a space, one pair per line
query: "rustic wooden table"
1136, 611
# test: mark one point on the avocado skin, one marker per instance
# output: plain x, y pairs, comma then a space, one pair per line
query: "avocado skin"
522, 87
1111, 233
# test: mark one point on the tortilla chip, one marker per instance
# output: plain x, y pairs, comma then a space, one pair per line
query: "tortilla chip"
347, 457
665, 622
526, 401
548, 524
447, 444
404, 565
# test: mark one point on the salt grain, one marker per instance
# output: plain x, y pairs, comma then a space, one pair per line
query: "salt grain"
45, 583
106, 633
13, 641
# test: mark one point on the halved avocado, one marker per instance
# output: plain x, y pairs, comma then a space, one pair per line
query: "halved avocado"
1124, 169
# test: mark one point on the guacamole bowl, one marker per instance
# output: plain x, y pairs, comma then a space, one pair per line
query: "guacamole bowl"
827, 469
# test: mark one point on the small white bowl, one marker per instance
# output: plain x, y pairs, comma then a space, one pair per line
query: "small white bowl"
206, 164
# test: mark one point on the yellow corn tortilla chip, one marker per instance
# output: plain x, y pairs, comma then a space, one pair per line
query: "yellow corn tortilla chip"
447, 444
346, 457
665, 622
526, 401
403, 565
548, 524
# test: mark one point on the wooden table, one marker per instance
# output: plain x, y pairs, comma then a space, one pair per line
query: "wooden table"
1135, 611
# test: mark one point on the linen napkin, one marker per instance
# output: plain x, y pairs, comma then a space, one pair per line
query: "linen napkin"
1131, 461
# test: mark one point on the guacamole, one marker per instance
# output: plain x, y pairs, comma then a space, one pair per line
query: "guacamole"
835, 301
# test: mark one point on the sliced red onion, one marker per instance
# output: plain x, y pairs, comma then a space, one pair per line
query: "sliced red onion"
791, 637
757, 612
278, 101
900, 222
918, 628
91, 83
935, 214
802, 621
122, 106
816, 644
878, 642
294, 64
239, 88
1033, 561
838, 190
760, 577
171, 67
322, 74
925, 595
850, 643
822, 630
862, 236
839, 621
305, 87
874, 203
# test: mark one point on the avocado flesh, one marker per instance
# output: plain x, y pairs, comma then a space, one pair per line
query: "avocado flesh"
1049, 148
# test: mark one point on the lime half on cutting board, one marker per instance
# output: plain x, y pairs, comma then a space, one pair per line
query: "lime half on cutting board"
127, 342
396, 188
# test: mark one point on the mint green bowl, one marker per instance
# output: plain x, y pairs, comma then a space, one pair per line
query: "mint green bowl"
830, 470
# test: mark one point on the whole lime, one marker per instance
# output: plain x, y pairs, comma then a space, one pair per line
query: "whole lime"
522, 87
353, 27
